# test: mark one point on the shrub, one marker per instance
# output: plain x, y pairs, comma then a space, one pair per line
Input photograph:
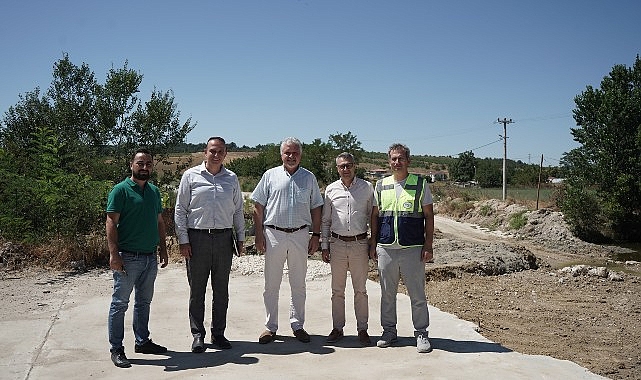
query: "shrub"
517, 220
485, 210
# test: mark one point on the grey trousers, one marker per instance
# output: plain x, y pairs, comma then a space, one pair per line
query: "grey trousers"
211, 257
392, 264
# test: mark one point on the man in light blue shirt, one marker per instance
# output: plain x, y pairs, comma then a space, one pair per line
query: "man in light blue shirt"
287, 203
209, 204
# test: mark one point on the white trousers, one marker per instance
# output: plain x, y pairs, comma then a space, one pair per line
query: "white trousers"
280, 247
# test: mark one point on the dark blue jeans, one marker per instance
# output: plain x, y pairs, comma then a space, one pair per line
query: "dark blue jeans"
140, 274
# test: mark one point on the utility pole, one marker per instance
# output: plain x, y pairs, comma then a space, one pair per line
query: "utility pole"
538, 186
505, 122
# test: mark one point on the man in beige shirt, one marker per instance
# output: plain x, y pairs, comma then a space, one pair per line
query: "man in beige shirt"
345, 245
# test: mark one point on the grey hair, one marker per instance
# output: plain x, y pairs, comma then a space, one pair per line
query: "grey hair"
399, 147
346, 156
289, 141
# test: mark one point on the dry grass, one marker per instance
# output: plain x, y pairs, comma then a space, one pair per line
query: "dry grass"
196, 158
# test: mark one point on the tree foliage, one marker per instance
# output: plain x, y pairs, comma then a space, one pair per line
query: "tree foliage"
464, 168
488, 173
605, 170
62, 151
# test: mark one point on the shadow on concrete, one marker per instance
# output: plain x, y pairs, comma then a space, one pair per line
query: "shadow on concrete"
240, 353
466, 346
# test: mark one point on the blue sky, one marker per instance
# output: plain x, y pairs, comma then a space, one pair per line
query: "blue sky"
435, 75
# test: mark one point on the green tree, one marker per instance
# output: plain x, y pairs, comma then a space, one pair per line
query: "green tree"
464, 167
16, 136
525, 175
318, 157
55, 167
606, 167
488, 173
346, 142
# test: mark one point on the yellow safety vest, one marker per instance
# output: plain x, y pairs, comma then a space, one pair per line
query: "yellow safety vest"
401, 220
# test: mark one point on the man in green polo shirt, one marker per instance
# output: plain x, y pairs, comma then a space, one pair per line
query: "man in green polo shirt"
135, 229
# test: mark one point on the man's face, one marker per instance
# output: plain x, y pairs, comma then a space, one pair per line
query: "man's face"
291, 157
398, 161
142, 166
346, 169
215, 152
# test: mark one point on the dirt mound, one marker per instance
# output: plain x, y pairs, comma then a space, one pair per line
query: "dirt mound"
579, 305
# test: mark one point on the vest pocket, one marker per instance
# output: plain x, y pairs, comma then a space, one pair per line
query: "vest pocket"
386, 231
411, 231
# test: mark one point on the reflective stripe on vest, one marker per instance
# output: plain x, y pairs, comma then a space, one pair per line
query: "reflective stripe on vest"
401, 220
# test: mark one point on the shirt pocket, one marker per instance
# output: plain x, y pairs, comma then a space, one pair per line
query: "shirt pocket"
301, 195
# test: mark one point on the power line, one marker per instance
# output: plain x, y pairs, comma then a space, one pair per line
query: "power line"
483, 146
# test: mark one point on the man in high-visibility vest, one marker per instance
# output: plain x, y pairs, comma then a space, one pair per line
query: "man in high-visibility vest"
403, 226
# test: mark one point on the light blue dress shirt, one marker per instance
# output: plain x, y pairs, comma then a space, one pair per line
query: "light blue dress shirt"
288, 198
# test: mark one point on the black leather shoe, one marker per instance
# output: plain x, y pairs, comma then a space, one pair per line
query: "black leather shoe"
150, 348
119, 359
221, 342
198, 345
302, 335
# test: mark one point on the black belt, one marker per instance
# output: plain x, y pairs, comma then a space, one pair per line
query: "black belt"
350, 238
137, 252
211, 231
288, 230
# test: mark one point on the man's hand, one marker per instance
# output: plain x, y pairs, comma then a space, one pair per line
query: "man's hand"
240, 245
164, 258
372, 249
260, 241
115, 263
326, 255
185, 250
427, 253
312, 247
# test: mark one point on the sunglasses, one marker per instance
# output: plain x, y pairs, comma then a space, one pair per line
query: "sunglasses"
345, 166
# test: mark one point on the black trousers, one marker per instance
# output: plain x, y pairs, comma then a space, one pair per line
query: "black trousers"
211, 257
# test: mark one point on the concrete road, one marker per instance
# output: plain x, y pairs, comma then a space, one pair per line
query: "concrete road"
72, 344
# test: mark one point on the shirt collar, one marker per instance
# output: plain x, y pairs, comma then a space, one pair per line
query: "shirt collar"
292, 174
131, 183
203, 169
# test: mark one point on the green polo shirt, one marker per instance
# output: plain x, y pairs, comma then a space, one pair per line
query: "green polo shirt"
138, 209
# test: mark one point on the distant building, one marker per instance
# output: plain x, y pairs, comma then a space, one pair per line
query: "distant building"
556, 181
437, 175
377, 173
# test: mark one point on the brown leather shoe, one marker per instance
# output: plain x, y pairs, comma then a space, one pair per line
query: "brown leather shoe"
302, 336
363, 338
334, 336
267, 337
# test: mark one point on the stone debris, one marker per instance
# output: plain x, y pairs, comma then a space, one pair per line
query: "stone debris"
586, 270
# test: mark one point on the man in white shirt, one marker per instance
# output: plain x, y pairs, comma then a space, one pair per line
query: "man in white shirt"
209, 204
287, 202
346, 216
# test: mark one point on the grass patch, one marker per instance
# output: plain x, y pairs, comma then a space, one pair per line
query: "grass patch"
517, 221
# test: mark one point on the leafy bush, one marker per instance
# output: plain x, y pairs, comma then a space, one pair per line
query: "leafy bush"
582, 211
517, 220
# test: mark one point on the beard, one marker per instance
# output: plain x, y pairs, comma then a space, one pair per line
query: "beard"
143, 176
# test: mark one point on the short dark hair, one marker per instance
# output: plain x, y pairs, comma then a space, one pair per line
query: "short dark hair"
400, 147
222, 140
346, 156
143, 151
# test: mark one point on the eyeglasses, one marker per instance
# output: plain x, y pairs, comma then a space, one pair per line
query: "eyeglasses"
345, 166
